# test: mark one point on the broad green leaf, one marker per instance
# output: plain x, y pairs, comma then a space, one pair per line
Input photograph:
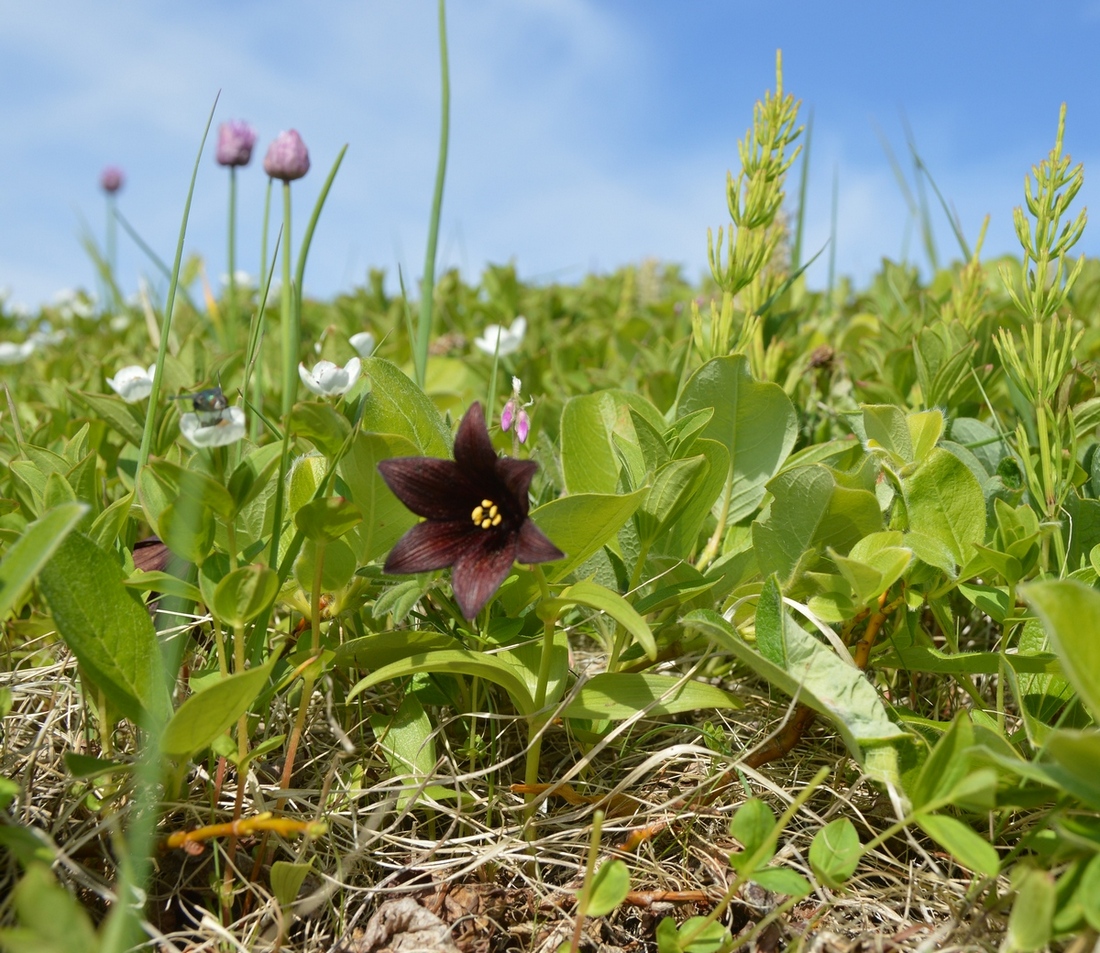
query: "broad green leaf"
51, 919
33, 550
181, 484
922, 658
210, 712
814, 674
925, 427
616, 695
108, 630
244, 593
385, 517
1070, 613
590, 425
252, 474
287, 879
968, 847
695, 935
888, 430
165, 583
835, 852
328, 518
609, 888
673, 487
395, 405
385, 648
595, 596
406, 739
337, 568
1030, 922
108, 525
874, 564
321, 424
781, 880
945, 502
498, 669
579, 525
808, 513
753, 825
755, 421
1071, 760
946, 766
127, 420
684, 533
187, 528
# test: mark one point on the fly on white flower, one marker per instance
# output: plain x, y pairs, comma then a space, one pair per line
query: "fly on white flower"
363, 342
329, 380
133, 382
228, 428
499, 340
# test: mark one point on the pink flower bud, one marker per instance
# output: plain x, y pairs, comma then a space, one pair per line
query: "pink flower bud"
287, 157
523, 425
235, 141
507, 416
111, 179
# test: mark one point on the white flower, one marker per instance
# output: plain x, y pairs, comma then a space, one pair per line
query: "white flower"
133, 382
120, 322
229, 429
328, 380
11, 353
509, 338
363, 342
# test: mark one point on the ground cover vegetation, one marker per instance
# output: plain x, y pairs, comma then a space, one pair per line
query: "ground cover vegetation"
624, 614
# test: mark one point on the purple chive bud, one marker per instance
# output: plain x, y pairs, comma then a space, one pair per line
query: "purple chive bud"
523, 426
111, 179
287, 157
507, 416
235, 141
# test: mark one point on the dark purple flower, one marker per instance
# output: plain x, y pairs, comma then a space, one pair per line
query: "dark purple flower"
287, 157
111, 179
235, 141
475, 510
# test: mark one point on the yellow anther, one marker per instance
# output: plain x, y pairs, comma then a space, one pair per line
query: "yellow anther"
492, 511
477, 514
486, 502
486, 523
496, 518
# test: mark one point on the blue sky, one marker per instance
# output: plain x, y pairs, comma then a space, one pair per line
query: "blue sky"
586, 134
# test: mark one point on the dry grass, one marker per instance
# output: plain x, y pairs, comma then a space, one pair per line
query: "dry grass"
468, 858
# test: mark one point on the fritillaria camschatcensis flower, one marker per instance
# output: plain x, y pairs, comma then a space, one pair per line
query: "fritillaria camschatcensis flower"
475, 515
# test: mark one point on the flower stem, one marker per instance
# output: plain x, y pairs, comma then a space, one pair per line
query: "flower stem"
231, 329
289, 318
538, 718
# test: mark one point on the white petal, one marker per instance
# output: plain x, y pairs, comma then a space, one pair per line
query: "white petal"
132, 383
15, 353
328, 380
363, 342
228, 430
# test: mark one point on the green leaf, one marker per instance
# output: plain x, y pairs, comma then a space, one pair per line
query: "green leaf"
753, 826
406, 740
321, 425
251, 475
1030, 922
187, 528
395, 405
814, 674
499, 669
672, 489
887, 430
616, 695
695, 935
181, 483
127, 420
108, 630
580, 524
287, 879
609, 888
945, 502
163, 582
809, 512
33, 550
595, 428
1070, 613
946, 766
384, 648
967, 847
210, 712
754, 421
595, 596
328, 518
1071, 760
781, 880
51, 919
835, 852
244, 593
385, 517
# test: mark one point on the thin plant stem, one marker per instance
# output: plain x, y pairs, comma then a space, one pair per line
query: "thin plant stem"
232, 319
427, 286
291, 331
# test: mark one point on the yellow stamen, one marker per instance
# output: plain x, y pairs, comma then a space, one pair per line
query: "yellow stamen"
487, 515
477, 514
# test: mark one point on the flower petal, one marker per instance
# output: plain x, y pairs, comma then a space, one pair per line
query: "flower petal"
429, 487
431, 545
480, 569
516, 476
474, 451
228, 430
534, 546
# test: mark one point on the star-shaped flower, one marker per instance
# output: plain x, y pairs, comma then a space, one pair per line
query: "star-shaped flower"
475, 510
